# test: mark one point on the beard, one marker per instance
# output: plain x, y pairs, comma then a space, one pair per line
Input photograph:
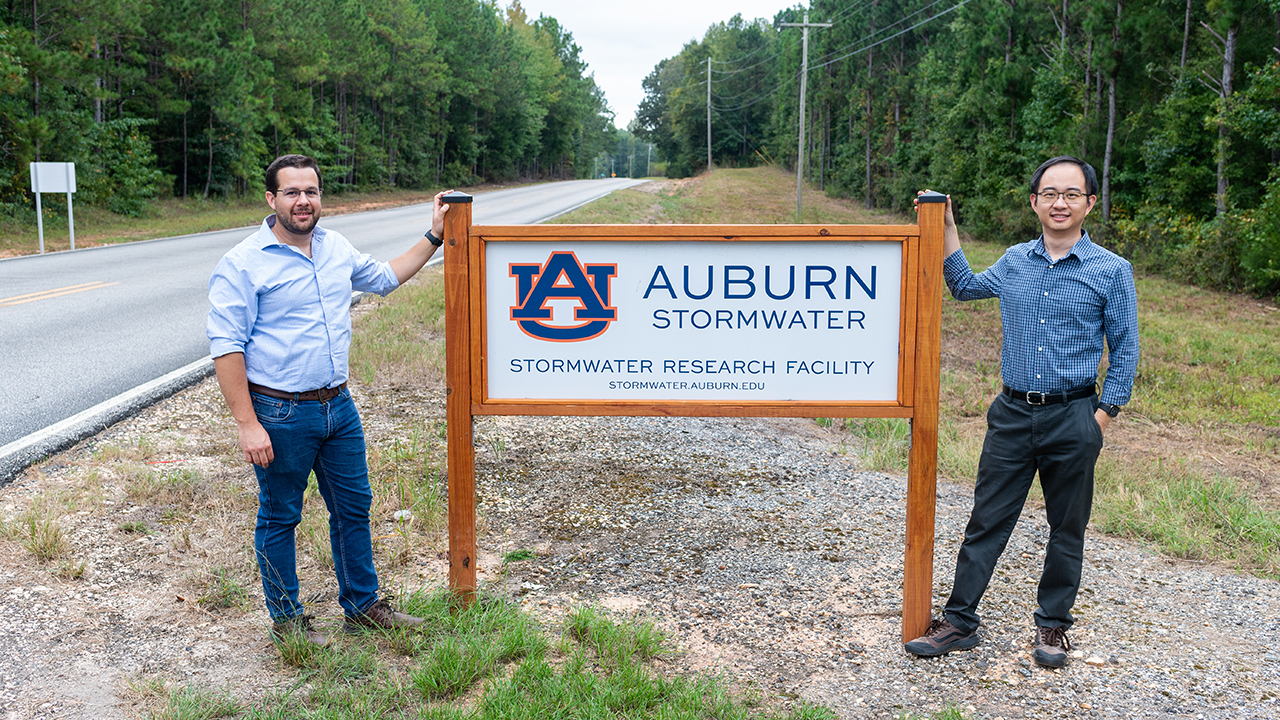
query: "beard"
299, 228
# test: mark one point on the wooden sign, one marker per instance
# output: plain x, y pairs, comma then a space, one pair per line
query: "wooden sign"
696, 320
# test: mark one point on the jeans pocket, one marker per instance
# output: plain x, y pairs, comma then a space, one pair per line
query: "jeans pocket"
271, 410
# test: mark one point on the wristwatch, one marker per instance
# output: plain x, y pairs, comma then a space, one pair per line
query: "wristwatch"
1108, 408
431, 237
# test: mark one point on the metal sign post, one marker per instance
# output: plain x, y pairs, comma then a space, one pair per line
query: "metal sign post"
54, 177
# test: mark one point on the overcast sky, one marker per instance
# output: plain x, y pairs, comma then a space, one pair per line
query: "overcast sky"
622, 41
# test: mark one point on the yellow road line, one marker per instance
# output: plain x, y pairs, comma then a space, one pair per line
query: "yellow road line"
56, 292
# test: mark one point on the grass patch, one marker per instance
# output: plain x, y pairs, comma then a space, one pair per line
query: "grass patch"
402, 341
40, 529
485, 661
518, 556
71, 569
167, 487
221, 589
184, 702
1187, 514
134, 527
882, 442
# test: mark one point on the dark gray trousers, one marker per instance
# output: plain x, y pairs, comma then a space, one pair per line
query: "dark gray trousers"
1062, 442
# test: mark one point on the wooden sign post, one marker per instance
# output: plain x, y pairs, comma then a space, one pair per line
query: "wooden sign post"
622, 320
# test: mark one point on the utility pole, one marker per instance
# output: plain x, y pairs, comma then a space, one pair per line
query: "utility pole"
804, 76
709, 111
647, 160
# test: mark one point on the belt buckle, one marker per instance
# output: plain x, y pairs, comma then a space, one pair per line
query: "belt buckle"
1042, 401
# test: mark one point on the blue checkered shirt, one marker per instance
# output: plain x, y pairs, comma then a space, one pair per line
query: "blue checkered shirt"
1056, 314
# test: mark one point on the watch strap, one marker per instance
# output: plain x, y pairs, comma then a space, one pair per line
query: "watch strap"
431, 237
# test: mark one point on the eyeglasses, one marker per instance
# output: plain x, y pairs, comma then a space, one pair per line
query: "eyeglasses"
292, 195
1072, 197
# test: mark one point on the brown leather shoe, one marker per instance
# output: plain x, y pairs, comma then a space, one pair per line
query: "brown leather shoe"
941, 638
380, 616
299, 626
1051, 647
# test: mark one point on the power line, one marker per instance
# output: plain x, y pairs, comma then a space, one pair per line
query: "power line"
957, 6
782, 85
881, 30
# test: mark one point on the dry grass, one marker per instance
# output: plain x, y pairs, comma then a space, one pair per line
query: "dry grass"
764, 195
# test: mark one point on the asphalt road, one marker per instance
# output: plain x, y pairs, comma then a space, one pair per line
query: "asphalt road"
80, 328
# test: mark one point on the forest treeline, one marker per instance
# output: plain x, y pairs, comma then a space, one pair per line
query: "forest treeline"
194, 98
1175, 102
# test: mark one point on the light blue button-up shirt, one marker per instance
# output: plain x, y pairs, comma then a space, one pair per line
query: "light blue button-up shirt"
1056, 314
288, 313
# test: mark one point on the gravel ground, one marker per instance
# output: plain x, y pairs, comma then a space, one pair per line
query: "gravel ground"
757, 544
766, 552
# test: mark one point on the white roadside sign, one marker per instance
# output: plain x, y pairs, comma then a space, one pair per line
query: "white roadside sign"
47, 177
684, 320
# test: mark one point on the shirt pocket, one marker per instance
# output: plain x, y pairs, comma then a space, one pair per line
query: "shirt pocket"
271, 410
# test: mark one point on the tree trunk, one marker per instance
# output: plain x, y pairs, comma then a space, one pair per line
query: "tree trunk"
1088, 67
1111, 116
97, 84
1224, 140
1186, 34
208, 177
1106, 158
185, 112
1062, 35
870, 74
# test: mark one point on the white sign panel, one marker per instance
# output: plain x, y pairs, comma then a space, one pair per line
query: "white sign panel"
680, 320
47, 177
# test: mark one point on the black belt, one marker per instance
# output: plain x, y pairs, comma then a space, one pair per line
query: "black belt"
323, 394
1039, 398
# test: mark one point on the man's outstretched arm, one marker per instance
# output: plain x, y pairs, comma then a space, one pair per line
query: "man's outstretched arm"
411, 261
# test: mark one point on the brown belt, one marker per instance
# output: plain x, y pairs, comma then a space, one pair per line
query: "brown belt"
322, 395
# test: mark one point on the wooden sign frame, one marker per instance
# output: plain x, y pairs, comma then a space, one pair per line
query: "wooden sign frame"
918, 368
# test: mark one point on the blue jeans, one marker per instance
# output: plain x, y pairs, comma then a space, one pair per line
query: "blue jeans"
326, 437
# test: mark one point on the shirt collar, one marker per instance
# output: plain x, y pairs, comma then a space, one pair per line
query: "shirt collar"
267, 238
1083, 248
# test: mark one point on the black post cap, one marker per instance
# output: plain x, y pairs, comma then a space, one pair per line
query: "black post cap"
456, 197
931, 197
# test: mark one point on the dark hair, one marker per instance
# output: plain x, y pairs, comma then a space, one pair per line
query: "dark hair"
289, 161
1090, 177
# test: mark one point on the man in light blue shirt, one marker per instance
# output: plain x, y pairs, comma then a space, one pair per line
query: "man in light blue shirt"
1060, 297
279, 331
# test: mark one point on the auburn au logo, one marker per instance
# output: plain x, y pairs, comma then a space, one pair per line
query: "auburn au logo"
562, 277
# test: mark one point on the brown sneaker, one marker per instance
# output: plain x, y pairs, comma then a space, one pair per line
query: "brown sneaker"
1051, 647
300, 627
380, 616
941, 638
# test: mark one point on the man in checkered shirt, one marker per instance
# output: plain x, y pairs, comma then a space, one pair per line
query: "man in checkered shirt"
1060, 297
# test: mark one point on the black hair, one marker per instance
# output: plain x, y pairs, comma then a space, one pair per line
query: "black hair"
1090, 177
289, 161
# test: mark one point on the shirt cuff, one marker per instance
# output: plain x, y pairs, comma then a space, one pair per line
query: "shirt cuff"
954, 267
220, 347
